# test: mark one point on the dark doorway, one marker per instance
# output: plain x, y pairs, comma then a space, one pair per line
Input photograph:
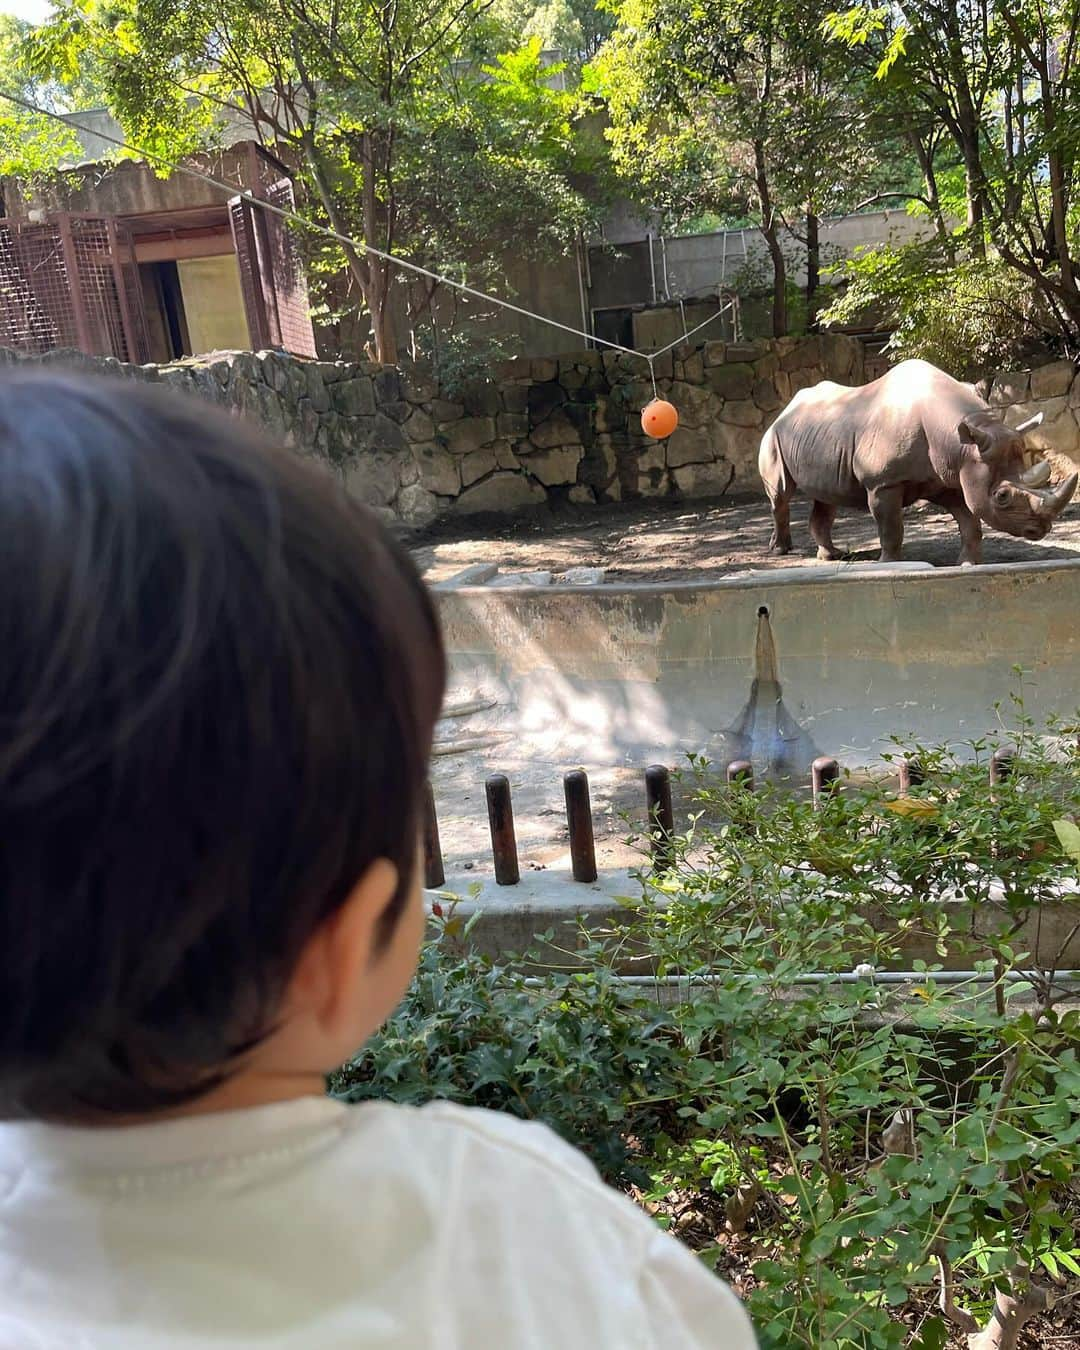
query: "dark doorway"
165, 318
614, 325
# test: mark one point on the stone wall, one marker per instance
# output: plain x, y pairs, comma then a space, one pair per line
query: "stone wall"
1054, 391
547, 430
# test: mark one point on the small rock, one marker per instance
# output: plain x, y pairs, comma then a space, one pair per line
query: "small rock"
521, 579
475, 575
583, 576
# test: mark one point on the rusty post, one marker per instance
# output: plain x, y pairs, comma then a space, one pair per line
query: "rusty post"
127, 322
75, 279
1002, 765
434, 872
661, 816
912, 774
740, 773
825, 778
580, 824
503, 839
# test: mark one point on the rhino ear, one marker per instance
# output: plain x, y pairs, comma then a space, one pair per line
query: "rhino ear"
977, 436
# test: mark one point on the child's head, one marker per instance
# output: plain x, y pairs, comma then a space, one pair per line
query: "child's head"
219, 681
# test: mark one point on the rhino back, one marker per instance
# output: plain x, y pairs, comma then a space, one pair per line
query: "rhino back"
838, 442
817, 435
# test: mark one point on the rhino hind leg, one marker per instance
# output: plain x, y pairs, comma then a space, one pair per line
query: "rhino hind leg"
781, 535
887, 508
822, 516
780, 488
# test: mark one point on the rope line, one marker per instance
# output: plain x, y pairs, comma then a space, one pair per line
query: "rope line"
359, 245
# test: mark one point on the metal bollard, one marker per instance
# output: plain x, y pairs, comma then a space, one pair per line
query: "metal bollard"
1002, 764
434, 872
912, 774
579, 821
825, 778
503, 839
661, 816
740, 773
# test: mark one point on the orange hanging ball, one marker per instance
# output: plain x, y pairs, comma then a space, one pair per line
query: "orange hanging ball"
659, 419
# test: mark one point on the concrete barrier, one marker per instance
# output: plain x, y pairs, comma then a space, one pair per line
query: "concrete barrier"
775, 667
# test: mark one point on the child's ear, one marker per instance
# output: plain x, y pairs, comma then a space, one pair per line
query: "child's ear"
330, 972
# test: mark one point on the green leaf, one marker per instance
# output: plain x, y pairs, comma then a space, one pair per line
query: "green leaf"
1069, 837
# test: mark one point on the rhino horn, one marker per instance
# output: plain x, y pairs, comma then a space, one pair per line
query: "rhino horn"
1055, 500
1037, 476
1030, 424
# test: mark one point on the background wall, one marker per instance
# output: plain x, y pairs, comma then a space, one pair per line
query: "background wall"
551, 430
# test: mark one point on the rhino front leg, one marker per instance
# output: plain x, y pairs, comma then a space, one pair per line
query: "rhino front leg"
887, 508
969, 527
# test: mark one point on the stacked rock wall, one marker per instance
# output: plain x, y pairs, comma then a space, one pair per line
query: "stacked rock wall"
553, 429
544, 430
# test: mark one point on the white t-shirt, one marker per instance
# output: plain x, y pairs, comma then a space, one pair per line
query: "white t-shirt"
311, 1225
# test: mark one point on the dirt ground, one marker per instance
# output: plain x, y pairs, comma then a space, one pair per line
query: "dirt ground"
660, 539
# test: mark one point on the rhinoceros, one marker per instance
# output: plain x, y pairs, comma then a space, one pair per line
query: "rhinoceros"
916, 434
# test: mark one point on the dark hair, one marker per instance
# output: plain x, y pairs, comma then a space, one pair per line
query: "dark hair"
219, 680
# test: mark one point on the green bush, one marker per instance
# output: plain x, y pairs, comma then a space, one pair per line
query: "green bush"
966, 317
866, 1154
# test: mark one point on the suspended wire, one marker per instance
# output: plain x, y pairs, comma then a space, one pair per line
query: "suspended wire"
175, 166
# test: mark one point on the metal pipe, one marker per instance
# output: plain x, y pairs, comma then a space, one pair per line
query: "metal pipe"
652, 267
579, 821
824, 777
850, 977
503, 839
434, 871
661, 816
582, 293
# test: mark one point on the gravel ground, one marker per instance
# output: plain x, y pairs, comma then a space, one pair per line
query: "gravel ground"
665, 540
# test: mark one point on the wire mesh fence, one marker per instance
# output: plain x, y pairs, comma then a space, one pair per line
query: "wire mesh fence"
72, 282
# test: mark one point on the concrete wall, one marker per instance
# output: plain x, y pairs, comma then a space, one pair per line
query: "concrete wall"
776, 667
129, 188
697, 265
547, 431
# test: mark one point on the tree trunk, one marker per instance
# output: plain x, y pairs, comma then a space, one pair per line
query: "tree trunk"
925, 156
382, 273
1010, 1316
813, 268
1058, 193
772, 242
973, 187
369, 273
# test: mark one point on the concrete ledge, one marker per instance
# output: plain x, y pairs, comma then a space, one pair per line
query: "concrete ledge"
511, 918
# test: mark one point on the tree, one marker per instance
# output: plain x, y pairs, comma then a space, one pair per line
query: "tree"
359, 97
30, 145
576, 28
736, 103
491, 156
998, 79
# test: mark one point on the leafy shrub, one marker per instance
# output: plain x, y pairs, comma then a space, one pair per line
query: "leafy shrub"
883, 1164
573, 1051
966, 317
